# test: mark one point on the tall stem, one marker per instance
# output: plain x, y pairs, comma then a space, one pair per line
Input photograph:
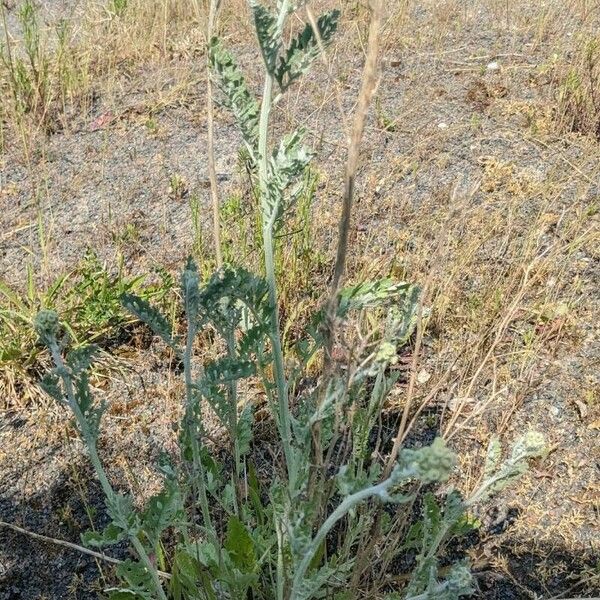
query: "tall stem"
190, 420
233, 416
369, 83
283, 417
212, 173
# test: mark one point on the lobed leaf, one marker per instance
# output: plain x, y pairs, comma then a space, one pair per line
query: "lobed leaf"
287, 164
163, 511
237, 96
371, 294
305, 48
146, 313
269, 39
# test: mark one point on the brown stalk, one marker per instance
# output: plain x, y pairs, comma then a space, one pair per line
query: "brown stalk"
368, 87
71, 545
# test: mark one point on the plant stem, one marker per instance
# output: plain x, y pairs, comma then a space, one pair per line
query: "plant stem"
190, 424
369, 83
283, 416
233, 416
90, 442
212, 173
71, 546
348, 504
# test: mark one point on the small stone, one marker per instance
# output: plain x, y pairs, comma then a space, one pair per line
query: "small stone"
423, 376
493, 66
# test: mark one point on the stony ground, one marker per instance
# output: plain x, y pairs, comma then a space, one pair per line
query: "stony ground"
467, 186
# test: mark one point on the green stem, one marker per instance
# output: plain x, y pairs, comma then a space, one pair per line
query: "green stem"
190, 424
233, 418
90, 442
283, 417
381, 490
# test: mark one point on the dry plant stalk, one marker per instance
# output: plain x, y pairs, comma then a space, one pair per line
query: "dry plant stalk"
70, 545
368, 87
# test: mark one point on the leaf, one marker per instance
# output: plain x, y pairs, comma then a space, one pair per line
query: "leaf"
123, 595
185, 574
190, 284
163, 511
370, 294
237, 96
432, 519
110, 536
51, 385
305, 48
80, 359
138, 579
240, 546
226, 293
92, 414
227, 369
314, 581
492, 459
244, 429
269, 39
141, 309
121, 511
286, 166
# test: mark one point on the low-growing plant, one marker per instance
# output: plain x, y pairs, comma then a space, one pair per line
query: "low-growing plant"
292, 530
89, 298
578, 99
41, 71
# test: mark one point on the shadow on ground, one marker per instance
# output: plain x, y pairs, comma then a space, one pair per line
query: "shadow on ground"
32, 569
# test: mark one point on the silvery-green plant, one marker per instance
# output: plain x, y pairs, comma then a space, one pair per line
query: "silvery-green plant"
294, 534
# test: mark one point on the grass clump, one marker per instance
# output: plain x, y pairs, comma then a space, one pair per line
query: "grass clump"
579, 91
88, 299
41, 72
331, 513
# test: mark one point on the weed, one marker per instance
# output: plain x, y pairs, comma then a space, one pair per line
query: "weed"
42, 71
578, 100
89, 299
178, 188
293, 533
117, 7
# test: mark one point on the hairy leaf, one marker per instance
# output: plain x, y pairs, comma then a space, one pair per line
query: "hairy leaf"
286, 166
305, 48
244, 429
146, 313
162, 511
237, 96
138, 579
370, 294
111, 535
190, 284
80, 359
492, 460
269, 39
